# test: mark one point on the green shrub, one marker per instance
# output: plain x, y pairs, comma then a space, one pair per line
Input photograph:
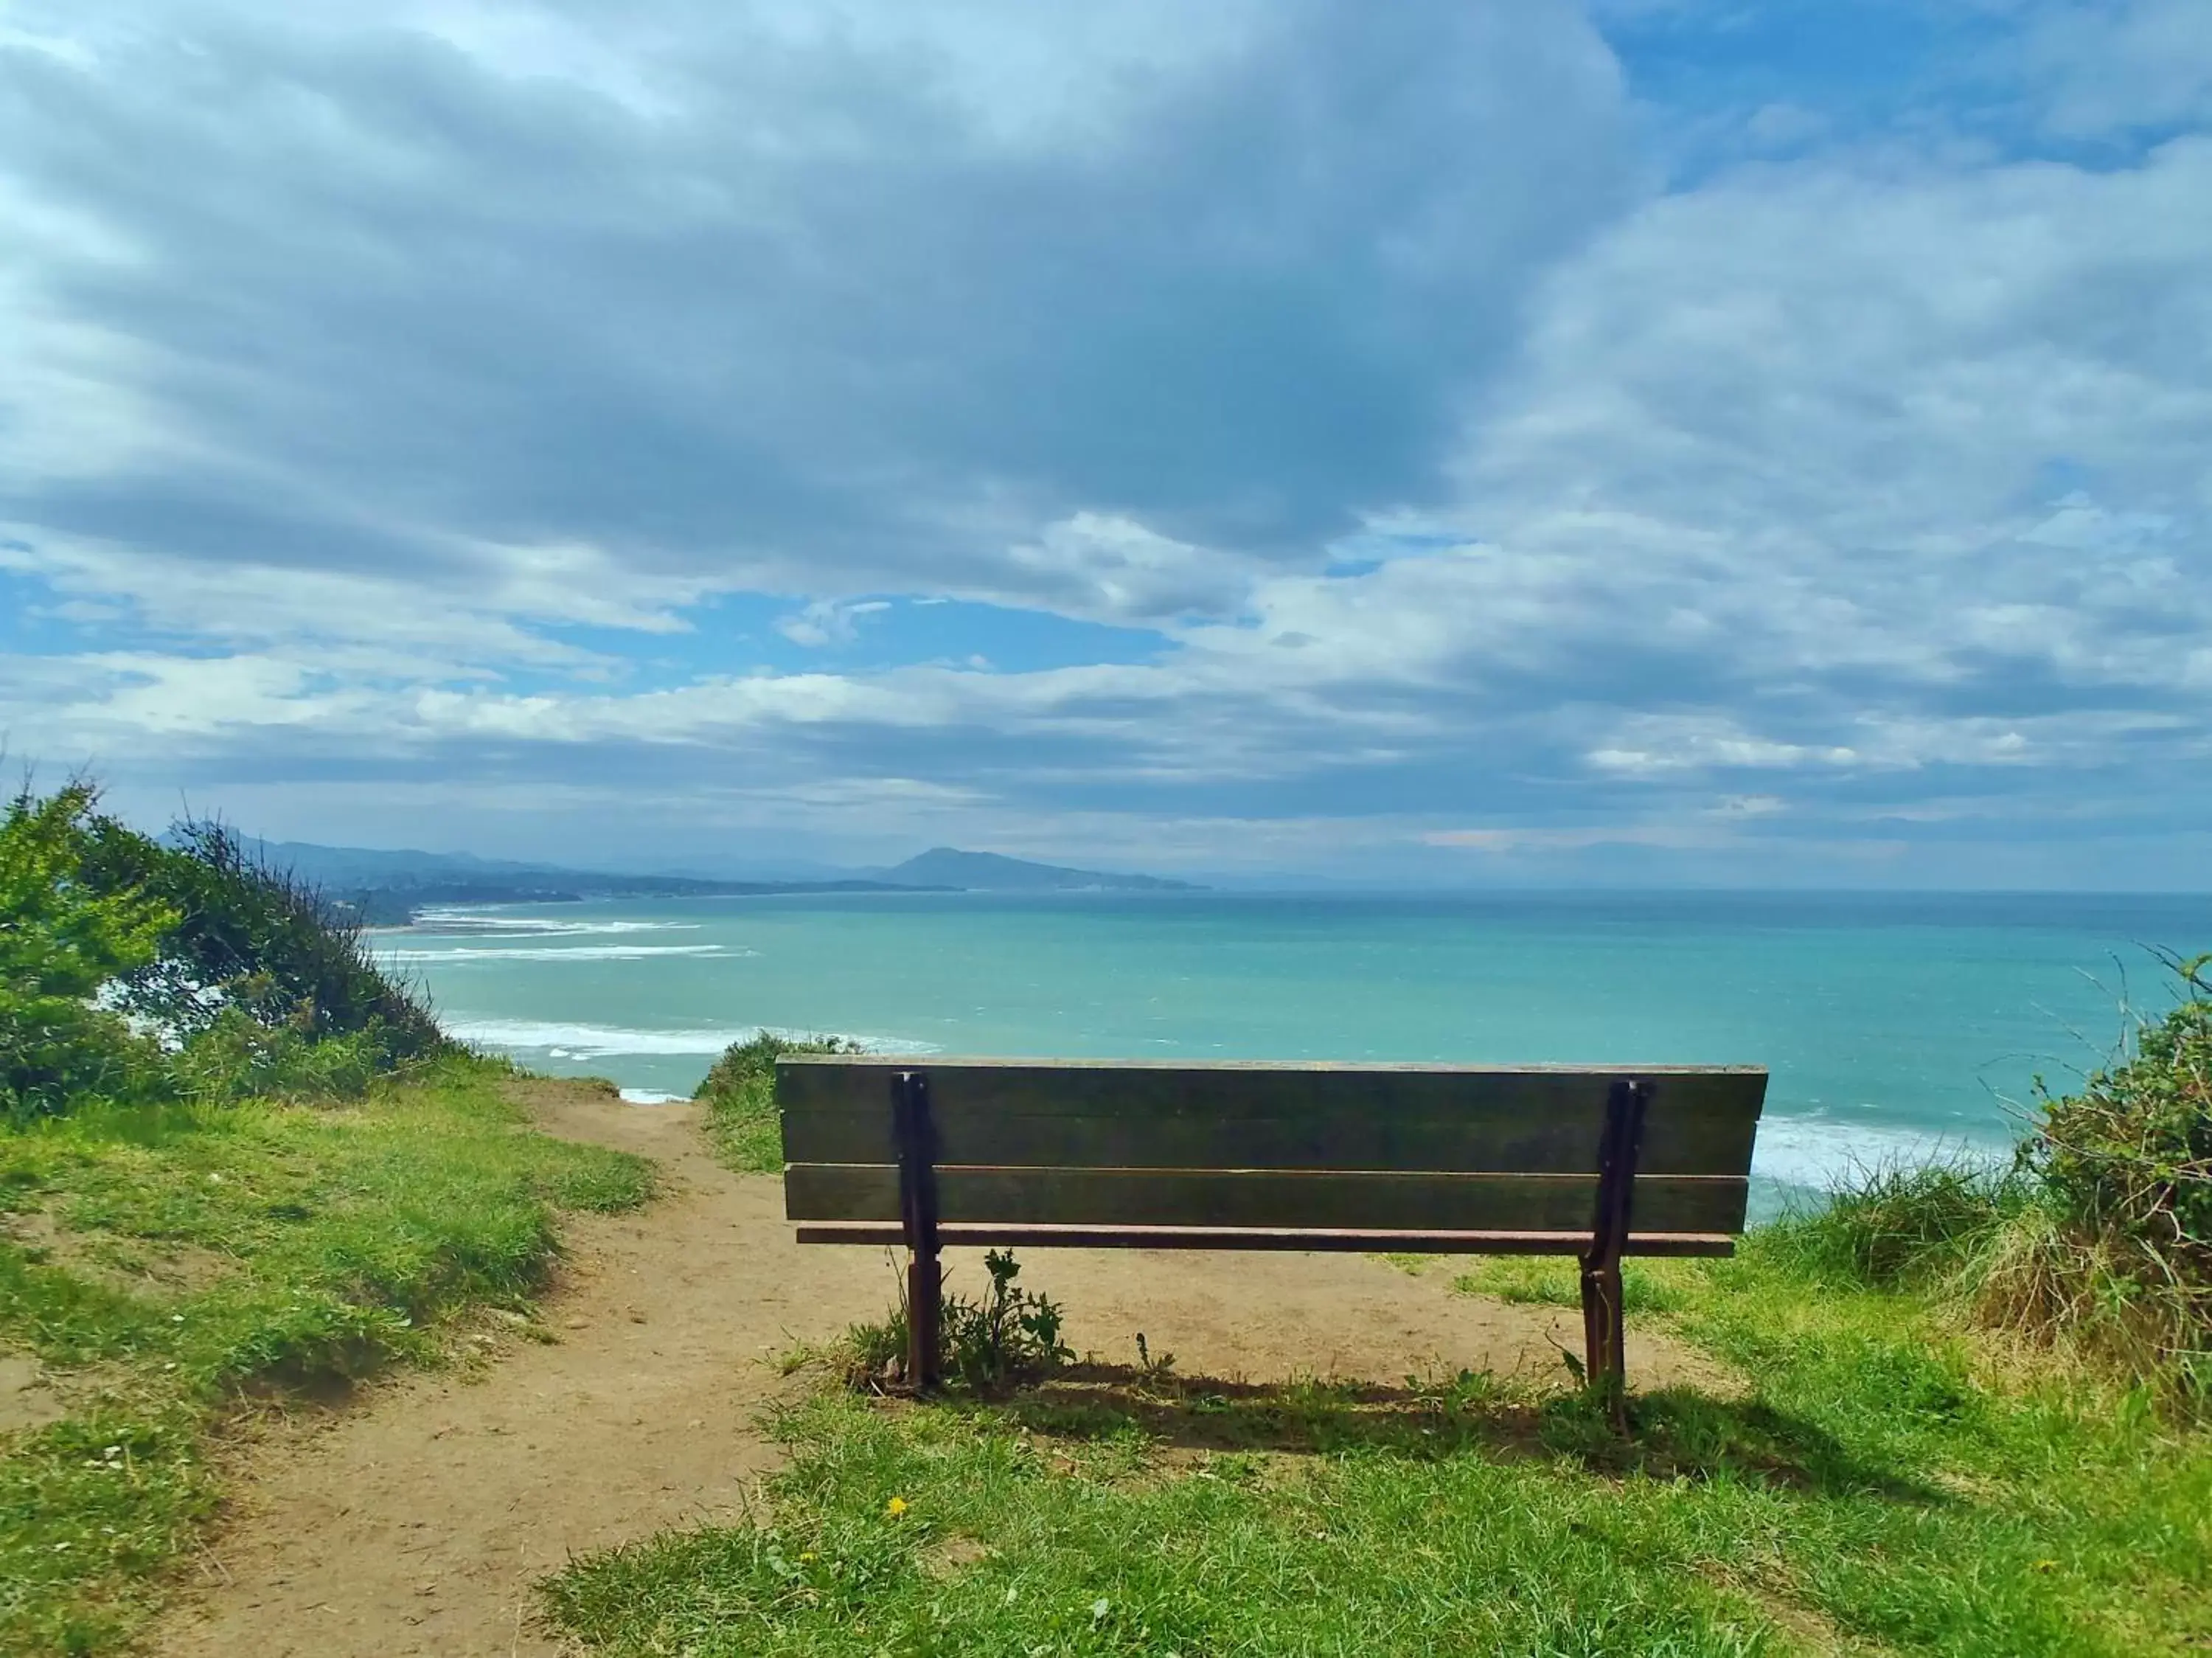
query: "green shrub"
2098, 1239
739, 1095
131, 971
2121, 1256
2132, 1151
62, 939
253, 940
1010, 1335
236, 1058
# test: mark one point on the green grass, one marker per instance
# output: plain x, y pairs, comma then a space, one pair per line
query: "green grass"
1881, 1480
1552, 1281
162, 1262
739, 1095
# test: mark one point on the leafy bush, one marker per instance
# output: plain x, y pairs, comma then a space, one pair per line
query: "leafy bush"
1010, 1335
739, 1095
251, 941
2132, 1151
62, 939
237, 1057
132, 970
2099, 1239
2122, 1254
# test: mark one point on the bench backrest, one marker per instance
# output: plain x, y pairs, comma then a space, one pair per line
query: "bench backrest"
1355, 1149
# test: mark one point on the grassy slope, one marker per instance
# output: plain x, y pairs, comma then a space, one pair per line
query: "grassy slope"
160, 1261
1881, 1485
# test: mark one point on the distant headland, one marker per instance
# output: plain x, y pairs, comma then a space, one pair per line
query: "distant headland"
989, 872
390, 888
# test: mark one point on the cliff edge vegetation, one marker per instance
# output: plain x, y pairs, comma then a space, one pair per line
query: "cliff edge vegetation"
238, 1165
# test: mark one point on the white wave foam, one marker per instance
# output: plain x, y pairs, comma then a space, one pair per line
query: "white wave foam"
1815, 1151
602, 1041
588, 1041
652, 1097
469, 921
558, 953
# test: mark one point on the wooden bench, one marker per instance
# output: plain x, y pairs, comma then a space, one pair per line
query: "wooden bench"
1594, 1161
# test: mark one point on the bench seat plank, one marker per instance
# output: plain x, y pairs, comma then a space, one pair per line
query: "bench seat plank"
808, 1085
1359, 1200
1682, 1244
1144, 1115
1485, 1137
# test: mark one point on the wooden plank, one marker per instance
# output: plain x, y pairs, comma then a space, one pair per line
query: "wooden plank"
1486, 1137
810, 1084
886, 1063
1361, 1200
1713, 1244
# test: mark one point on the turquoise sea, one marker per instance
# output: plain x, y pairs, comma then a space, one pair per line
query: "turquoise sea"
1891, 1022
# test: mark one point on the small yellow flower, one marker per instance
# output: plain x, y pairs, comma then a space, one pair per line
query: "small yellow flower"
895, 1507
806, 1555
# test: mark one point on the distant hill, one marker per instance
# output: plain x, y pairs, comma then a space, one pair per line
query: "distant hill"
988, 871
387, 888
374, 867
381, 887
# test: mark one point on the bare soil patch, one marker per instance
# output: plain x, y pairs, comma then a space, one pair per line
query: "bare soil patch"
417, 1519
27, 1399
139, 1266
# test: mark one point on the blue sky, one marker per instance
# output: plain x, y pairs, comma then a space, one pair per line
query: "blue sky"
1651, 442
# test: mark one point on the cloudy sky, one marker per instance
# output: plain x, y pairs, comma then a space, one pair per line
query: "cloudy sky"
1462, 441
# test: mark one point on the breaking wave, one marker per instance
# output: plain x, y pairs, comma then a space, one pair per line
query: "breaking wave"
464, 922
557, 952
605, 1041
1814, 1152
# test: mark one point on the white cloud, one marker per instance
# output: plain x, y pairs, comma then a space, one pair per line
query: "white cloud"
1861, 488
483, 609
2110, 67
828, 622
980, 299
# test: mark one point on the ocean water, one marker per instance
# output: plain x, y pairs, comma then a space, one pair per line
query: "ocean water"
1893, 1024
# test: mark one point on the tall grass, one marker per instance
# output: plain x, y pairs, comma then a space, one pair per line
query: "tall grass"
2096, 1240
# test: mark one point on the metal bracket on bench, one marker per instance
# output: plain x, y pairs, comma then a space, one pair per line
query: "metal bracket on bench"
916, 1138
1625, 1108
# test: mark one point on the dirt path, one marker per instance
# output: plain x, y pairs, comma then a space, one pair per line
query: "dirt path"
417, 1521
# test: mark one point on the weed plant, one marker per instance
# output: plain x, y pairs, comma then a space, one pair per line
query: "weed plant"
1009, 1338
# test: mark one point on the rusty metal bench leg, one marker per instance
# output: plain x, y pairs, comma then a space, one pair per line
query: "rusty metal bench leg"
1606, 1368
925, 1270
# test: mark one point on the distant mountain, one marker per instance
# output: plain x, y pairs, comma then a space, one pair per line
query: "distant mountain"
374, 866
988, 871
381, 887
387, 888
